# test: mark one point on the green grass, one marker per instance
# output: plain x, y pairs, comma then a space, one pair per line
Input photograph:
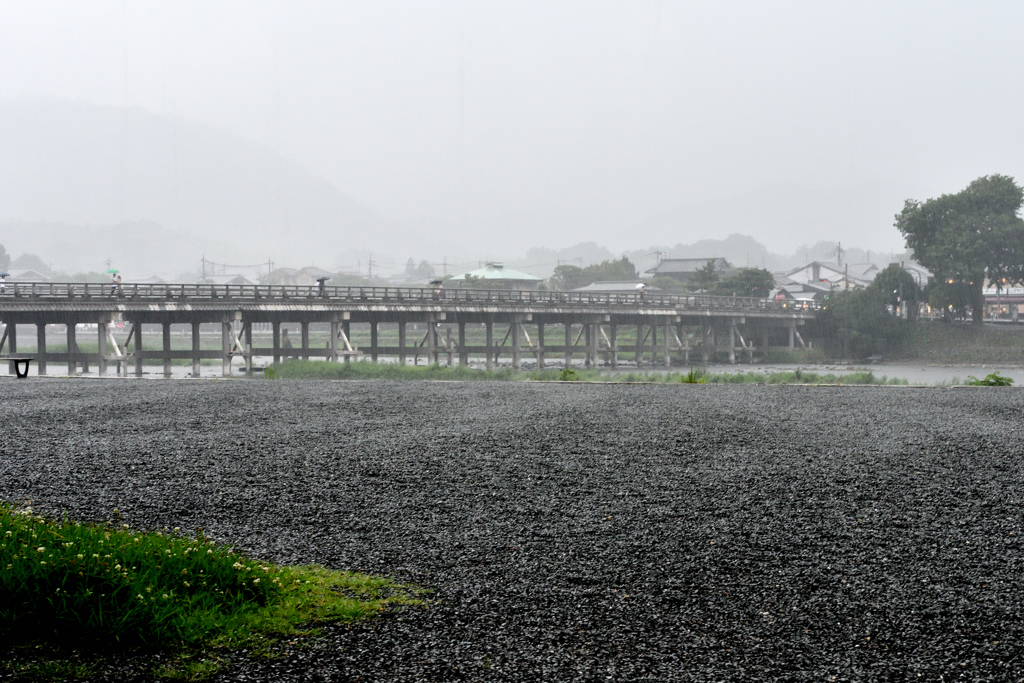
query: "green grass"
300, 369
81, 593
798, 376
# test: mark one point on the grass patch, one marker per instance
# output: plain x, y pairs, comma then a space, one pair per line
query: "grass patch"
303, 369
68, 589
799, 376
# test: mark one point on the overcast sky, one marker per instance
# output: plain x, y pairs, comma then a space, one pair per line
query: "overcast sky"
555, 122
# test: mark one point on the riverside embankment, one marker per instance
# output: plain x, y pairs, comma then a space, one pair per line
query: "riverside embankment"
578, 532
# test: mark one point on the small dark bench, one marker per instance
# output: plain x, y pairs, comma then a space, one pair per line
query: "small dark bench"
20, 363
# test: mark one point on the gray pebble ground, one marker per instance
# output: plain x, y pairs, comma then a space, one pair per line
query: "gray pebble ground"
578, 532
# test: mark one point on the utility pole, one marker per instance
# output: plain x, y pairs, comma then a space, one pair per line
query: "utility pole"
204, 266
444, 265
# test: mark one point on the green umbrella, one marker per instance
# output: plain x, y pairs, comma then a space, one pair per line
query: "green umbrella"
114, 271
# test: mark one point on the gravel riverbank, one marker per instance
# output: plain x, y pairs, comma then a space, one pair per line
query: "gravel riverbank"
578, 532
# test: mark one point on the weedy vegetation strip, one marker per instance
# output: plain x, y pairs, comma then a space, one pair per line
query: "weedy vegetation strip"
70, 585
367, 370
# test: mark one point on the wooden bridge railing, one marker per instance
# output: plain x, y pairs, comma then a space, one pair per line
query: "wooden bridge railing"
77, 292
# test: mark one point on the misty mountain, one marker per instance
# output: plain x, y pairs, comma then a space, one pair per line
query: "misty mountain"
171, 179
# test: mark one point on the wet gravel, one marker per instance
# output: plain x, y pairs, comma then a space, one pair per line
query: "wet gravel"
575, 531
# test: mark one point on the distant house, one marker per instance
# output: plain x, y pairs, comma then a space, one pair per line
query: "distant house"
614, 287
682, 269
26, 275
303, 276
497, 276
226, 280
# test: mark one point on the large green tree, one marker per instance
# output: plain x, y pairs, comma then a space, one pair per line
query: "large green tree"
704, 278
755, 282
568, 277
968, 236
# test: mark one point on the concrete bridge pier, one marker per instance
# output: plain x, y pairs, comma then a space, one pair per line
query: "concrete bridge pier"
668, 344
247, 341
225, 348
167, 349
517, 360
373, 341
276, 332
638, 348
101, 339
72, 350
588, 332
463, 353
568, 344
41, 348
12, 345
540, 346
332, 345
490, 344
304, 327
137, 333
613, 348
196, 346
401, 343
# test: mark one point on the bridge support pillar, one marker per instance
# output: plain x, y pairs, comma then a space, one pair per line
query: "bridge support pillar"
225, 349
588, 356
463, 353
705, 340
540, 346
12, 346
792, 335
654, 343
277, 341
137, 330
247, 340
490, 344
41, 348
517, 359
101, 338
332, 356
668, 344
613, 349
167, 350
373, 342
401, 343
432, 342
568, 344
196, 364
72, 350
732, 342
639, 352
305, 341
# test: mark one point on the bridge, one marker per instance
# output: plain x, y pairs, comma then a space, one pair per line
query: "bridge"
650, 328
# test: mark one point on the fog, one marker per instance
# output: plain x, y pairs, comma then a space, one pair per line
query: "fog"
315, 131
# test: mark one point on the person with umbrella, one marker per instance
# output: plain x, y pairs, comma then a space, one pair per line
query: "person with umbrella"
322, 286
3, 282
115, 281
